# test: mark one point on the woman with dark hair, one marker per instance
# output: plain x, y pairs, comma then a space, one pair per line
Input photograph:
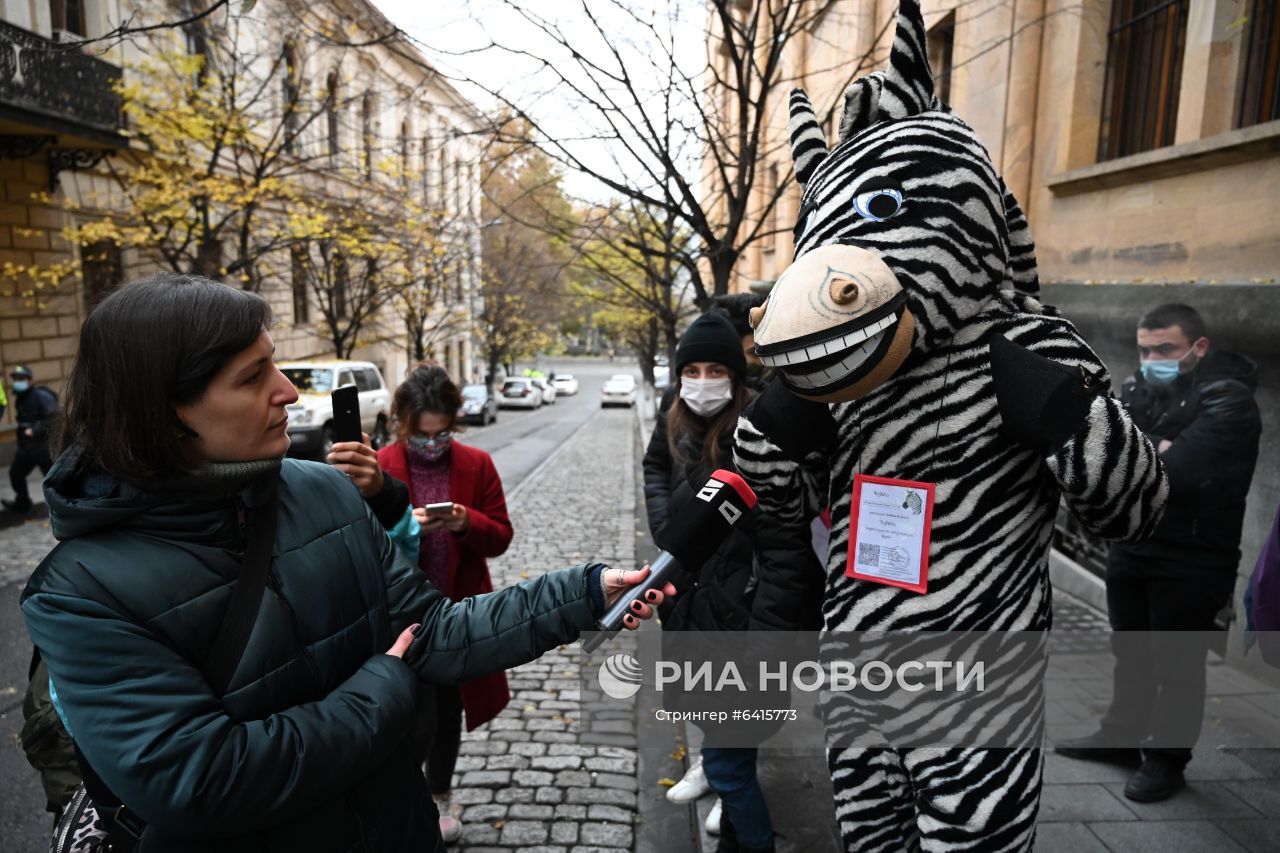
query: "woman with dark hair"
170, 470
454, 547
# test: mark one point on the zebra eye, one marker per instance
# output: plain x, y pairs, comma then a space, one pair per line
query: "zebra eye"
878, 205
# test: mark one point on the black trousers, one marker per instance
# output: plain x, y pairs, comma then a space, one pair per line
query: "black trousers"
26, 460
437, 733
1161, 623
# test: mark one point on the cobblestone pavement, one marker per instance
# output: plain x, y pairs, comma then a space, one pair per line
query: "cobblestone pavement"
524, 781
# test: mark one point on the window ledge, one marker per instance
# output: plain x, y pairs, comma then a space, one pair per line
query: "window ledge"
1234, 146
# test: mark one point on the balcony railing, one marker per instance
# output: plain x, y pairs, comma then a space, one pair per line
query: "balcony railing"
57, 86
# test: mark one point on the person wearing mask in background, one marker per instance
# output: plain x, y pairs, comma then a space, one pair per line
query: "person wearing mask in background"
35, 407
453, 548
1194, 401
171, 459
737, 308
691, 439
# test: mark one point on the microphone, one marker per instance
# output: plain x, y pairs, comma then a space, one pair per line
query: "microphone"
687, 541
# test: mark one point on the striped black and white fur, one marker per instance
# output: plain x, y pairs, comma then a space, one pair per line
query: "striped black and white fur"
961, 248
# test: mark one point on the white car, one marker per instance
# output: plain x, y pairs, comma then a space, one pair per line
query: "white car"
311, 418
618, 390
566, 384
548, 390
519, 393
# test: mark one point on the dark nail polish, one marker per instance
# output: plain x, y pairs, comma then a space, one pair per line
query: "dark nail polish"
415, 628
651, 595
635, 605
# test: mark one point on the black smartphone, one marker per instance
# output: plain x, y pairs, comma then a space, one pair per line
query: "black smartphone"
346, 413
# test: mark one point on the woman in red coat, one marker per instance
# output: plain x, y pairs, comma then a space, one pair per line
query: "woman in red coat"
453, 552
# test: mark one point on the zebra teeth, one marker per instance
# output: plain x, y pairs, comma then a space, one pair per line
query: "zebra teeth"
823, 349
824, 376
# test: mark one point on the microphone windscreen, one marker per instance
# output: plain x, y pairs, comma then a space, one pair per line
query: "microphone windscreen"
694, 533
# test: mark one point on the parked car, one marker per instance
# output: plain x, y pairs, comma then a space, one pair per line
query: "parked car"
618, 390
311, 418
519, 393
566, 384
478, 405
548, 390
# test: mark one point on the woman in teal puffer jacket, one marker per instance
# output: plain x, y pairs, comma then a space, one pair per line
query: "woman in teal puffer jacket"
174, 435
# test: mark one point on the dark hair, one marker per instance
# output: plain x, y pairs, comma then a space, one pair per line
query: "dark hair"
1175, 314
737, 307
147, 347
428, 389
682, 421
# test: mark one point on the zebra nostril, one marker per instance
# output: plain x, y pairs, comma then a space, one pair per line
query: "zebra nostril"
755, 315
843, 291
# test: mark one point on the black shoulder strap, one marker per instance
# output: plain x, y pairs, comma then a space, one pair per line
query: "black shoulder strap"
246, 597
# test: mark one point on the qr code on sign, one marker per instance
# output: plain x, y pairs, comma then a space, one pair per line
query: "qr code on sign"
868, 555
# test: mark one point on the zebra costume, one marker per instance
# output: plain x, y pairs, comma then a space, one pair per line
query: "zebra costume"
910, 312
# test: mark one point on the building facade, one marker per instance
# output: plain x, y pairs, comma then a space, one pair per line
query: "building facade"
1142, 138
359, 123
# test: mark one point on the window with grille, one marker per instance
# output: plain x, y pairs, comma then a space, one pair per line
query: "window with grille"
290, 92
1259, 99
1144, 72
101, 268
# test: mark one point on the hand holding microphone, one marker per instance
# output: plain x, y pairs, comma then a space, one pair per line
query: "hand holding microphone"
687, 541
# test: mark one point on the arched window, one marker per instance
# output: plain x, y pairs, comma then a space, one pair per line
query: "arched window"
331, 117
290, 93
367, 129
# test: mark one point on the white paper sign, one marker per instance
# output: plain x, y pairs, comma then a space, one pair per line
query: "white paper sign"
891, 522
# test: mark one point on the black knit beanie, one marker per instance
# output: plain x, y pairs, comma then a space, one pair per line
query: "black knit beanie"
712, 337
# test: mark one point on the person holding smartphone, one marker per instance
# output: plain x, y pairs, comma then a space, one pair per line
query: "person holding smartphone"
460, 506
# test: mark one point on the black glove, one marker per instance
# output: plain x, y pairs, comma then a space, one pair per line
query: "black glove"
798, 426
1042, 403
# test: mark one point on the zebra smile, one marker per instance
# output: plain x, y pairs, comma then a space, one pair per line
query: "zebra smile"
836, 324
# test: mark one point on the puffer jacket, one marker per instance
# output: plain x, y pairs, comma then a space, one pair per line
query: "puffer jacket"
307, 749
1212, 420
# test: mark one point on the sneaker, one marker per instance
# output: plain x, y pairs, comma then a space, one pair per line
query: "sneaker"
1098, 747
1156, 780
713, 820
450, 817
691, 787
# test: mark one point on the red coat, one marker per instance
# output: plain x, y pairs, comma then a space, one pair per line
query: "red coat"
474, 483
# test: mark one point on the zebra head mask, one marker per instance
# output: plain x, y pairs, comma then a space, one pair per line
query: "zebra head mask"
905, 230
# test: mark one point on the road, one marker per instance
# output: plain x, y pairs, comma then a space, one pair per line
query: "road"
519, 442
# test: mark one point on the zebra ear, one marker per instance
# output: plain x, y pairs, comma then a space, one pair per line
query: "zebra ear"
808, 143
908, 84
861, 104
1022, 249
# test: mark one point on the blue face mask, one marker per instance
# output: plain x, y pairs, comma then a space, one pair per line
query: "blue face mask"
1162, 371
20, 386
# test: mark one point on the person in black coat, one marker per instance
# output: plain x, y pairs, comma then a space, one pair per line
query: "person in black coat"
34, 409
691, 439
1195, 402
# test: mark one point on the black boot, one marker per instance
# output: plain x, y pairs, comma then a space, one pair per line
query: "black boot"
1099, 747
1158, 779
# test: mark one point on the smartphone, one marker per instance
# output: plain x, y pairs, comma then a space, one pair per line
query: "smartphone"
443, 508
346, 414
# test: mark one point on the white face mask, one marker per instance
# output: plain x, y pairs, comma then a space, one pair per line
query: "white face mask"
706, 396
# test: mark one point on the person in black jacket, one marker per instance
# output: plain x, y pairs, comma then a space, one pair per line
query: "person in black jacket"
1195, 402
34, 409
172, 447
692, 438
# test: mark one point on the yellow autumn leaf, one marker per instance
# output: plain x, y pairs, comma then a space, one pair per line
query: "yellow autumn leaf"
666, 783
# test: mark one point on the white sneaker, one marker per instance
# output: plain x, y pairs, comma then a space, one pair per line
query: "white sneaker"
713, 819
691, 787
450, 822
